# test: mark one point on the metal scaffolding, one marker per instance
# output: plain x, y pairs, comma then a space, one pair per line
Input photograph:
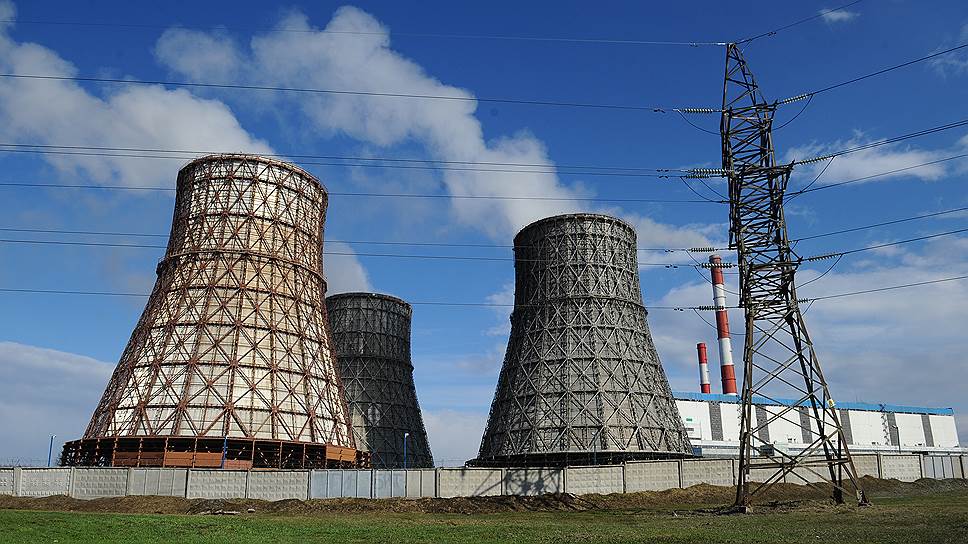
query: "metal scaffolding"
233, 346
581, 381
371, 337
778, 358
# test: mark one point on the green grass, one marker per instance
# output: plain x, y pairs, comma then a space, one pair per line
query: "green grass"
936, 519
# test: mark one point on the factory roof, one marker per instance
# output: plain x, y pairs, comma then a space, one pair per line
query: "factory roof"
873, 407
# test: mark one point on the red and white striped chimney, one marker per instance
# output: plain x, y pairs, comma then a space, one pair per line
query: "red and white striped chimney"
726, 368
703, 368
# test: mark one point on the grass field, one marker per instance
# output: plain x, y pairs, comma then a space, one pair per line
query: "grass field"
930, 518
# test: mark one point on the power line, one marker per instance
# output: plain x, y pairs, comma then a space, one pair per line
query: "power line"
888, 288
415, 303
887, 244
499, 305
374, 195
360, 242
274, 30
876, 73
238, 86
809, 189
549, 168
773, 32
194, 153
633, 171
325, 252
882, 224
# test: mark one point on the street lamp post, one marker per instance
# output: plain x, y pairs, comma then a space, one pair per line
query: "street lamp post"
405, 437
50, 449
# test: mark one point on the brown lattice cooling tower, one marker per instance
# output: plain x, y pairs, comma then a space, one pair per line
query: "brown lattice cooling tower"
231, 363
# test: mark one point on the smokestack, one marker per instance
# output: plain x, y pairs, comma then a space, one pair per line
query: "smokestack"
703, 368
726, 368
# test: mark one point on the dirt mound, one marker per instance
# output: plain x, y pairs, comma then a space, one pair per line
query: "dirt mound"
696, 500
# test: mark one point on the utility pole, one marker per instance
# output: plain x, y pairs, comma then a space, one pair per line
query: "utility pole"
779, 360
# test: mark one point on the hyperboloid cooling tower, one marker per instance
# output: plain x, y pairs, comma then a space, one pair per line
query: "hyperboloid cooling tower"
371, 336
230, 364
581, 381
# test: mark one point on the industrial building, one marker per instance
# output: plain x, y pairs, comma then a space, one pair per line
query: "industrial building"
371, 337
712, 421
231, 363
581, 381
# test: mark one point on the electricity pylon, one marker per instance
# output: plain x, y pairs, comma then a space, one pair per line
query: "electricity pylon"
778, 356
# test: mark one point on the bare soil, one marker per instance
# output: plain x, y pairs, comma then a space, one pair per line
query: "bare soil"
691, 500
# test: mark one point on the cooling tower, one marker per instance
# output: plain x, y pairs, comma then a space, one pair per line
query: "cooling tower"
371, 337
230, 364
581, 381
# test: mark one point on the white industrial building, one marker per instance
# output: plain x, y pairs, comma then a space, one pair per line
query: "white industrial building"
712, 422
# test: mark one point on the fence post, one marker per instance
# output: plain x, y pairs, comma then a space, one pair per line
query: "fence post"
16, 481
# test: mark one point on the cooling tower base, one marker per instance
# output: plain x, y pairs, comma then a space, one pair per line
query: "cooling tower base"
208, 452
575, 458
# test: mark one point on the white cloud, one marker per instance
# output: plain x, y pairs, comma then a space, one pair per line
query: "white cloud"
447, 129
455, 436
344, 273
45, 392
954, 63
63, 112
838, 16
867, 162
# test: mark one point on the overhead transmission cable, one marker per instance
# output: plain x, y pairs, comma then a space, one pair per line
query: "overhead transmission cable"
501, 305
775, 31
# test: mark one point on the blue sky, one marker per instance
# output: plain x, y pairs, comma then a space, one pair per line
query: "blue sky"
901, 347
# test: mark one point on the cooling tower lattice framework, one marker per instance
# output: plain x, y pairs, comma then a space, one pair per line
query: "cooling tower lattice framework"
230, 364
371, 337
581, 381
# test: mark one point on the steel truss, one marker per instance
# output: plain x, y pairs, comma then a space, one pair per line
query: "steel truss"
581, 381
371, 337
233, 342
778, 357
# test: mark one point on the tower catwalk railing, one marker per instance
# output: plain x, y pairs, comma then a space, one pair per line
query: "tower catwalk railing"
778, 356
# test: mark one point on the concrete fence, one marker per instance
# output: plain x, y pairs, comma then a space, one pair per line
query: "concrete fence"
92, 483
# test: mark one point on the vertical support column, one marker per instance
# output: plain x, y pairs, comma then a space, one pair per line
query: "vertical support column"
16, 481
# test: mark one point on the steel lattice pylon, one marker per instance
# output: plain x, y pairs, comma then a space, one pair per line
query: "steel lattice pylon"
231, 359
581, 381
371, 337
778, 357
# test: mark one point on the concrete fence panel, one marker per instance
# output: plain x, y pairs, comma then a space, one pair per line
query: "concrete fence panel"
470, 482
651, 476
6, 481
942, 468
421, 483
336, 483
596, 479
906, 468
278, 485
867, 465
216, 484
715, 472
164, 482
44, 482
534, 481
94, 483
927, 467
960, 465
389, 483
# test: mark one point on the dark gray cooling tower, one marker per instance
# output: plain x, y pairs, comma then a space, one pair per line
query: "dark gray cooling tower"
371, 337
581, 381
